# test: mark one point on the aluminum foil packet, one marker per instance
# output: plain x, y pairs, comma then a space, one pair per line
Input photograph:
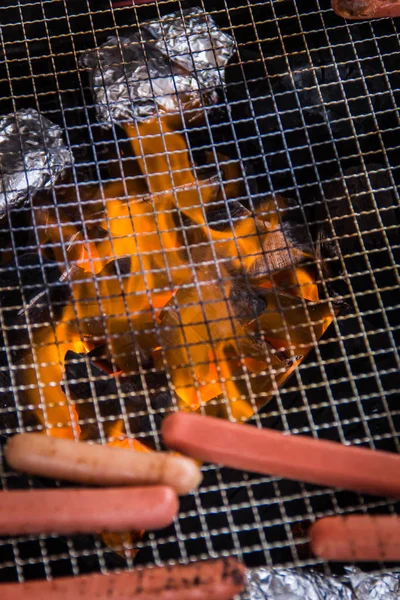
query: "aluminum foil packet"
170, 65
32, 156
194, 42
288, 584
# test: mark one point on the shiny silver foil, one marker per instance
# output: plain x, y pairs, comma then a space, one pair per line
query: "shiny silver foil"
170, 65
194, 42
374, 587
32, 156
288, 584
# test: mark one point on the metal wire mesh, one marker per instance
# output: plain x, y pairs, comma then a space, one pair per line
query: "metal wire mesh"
310, 109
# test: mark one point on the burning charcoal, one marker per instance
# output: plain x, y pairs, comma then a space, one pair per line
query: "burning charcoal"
174, 63
63, 239
132, 350
101, 357
106, 396
366, 9
248, 378
86, 381
12, 418
282, 248
32, 283
32, 156
289, 322
33, 294
97, 233
39, 374
225, 215
118, 267
146, 408
100, 417
245, 302
95, 393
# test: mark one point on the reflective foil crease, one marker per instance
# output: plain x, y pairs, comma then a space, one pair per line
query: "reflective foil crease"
32, 156
288, 584
168, 66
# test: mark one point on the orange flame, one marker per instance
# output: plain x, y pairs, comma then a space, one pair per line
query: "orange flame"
160, 280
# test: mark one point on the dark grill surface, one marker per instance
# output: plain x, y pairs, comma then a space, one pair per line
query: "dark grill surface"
310, 108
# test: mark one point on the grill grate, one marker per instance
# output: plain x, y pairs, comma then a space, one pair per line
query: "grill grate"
312, 114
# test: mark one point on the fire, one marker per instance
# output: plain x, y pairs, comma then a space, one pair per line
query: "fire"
153, 278
161, 282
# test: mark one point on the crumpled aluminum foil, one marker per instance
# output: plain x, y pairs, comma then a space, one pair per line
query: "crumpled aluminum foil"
288, 584
32, 156
374, 587
173, 64
195, 43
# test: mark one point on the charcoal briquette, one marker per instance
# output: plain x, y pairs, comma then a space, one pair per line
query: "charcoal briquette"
223, 215
245, 302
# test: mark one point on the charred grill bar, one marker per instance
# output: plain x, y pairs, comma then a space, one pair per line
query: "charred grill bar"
260, 205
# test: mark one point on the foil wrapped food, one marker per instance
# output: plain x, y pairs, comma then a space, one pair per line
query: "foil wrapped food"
195, 43
32, 156
289, 584
170, 65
